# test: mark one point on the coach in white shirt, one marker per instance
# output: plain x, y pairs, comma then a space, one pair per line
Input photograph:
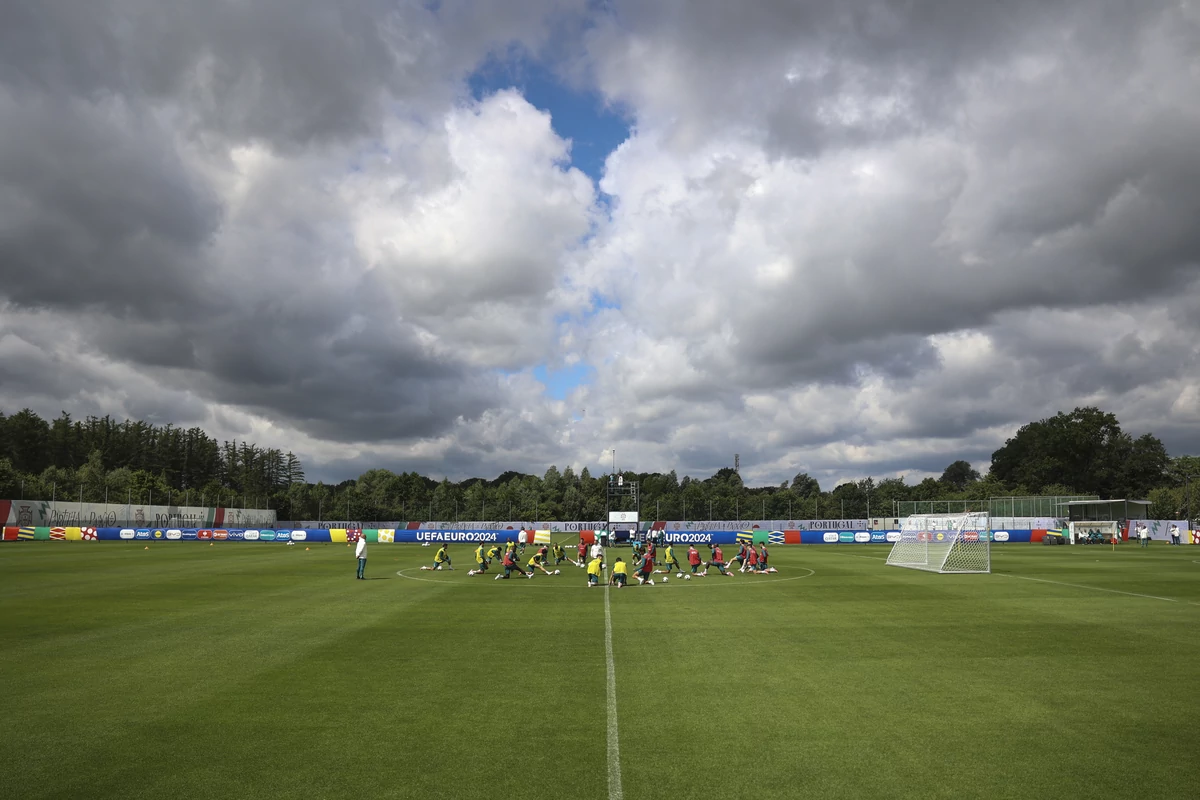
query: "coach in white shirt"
360, 552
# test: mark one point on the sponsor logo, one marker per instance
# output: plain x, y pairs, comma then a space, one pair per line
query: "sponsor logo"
142, 533
846, 536
689, 538
924, 536
174, 535
283, 536
220, 536
189, 534
862, 537
159, 534
830, 537
878, 536
1000, 536
266, 536
970, 536
893, 536
237, 535
127, 533
252, 536
941, 537
204, 534
299, 536
444, 536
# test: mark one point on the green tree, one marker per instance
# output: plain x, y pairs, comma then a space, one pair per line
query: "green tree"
959, 475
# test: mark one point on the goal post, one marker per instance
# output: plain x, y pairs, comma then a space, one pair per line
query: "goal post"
949, 543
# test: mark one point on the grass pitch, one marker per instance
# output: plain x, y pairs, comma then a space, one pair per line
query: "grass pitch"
264, 671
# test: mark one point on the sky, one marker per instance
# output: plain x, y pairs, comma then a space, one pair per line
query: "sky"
848, 239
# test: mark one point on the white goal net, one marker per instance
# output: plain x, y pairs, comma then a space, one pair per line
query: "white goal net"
944, 543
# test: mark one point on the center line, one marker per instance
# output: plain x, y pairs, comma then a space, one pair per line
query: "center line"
614, 747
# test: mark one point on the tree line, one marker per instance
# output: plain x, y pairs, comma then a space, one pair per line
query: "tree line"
1080, 452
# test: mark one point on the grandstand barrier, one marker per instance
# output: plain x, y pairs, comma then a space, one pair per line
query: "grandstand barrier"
389, 536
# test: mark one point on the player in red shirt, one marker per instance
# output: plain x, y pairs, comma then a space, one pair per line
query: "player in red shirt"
646, 570
693, 557
751, 559
763, 566
717, 560
740, 558
582, 553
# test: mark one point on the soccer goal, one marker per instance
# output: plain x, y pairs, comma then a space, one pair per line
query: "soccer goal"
944, 543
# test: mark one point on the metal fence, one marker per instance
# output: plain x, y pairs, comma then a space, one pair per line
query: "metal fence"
1044, 506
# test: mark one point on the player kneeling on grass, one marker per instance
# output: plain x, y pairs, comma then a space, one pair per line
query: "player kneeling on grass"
645, 570
717, 560
481, 562
441, 559
511, 566
620, 573
763, 565
740, 558
594, 567
693, 557
751, 560
670, 562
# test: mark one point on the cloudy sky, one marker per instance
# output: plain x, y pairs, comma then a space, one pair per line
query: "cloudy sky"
460, 237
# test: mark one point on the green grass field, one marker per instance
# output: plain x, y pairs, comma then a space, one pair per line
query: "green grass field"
262, 671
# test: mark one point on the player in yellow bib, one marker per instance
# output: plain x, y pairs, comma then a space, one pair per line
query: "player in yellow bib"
670, 562
620, 573
481, 561
441, 559
535, 562
593, 571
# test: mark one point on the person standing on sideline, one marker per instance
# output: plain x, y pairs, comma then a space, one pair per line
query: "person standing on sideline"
1174, 531
1143, 535
360, 553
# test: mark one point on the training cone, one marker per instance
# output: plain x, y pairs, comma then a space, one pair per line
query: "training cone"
306, 548
147, 547
210, 544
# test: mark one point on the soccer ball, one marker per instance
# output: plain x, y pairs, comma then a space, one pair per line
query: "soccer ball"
557, 572
664, 578
687, 577
679, 575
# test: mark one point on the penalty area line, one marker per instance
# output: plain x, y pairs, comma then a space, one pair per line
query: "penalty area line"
614, 745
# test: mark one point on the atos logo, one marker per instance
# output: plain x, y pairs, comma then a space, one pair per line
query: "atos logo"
830, 537
283, 536
251, 536
299, 536
266, 536
893, 536
221, 535
189, 534
174, 535
1000, 536
862, 537
143, 533
878, 536
127, 533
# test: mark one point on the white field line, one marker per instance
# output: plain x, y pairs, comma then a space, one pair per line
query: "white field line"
1056, 583
614, 747
1081, 586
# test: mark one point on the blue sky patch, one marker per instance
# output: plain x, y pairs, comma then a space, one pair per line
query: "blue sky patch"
559, 383
581, 116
